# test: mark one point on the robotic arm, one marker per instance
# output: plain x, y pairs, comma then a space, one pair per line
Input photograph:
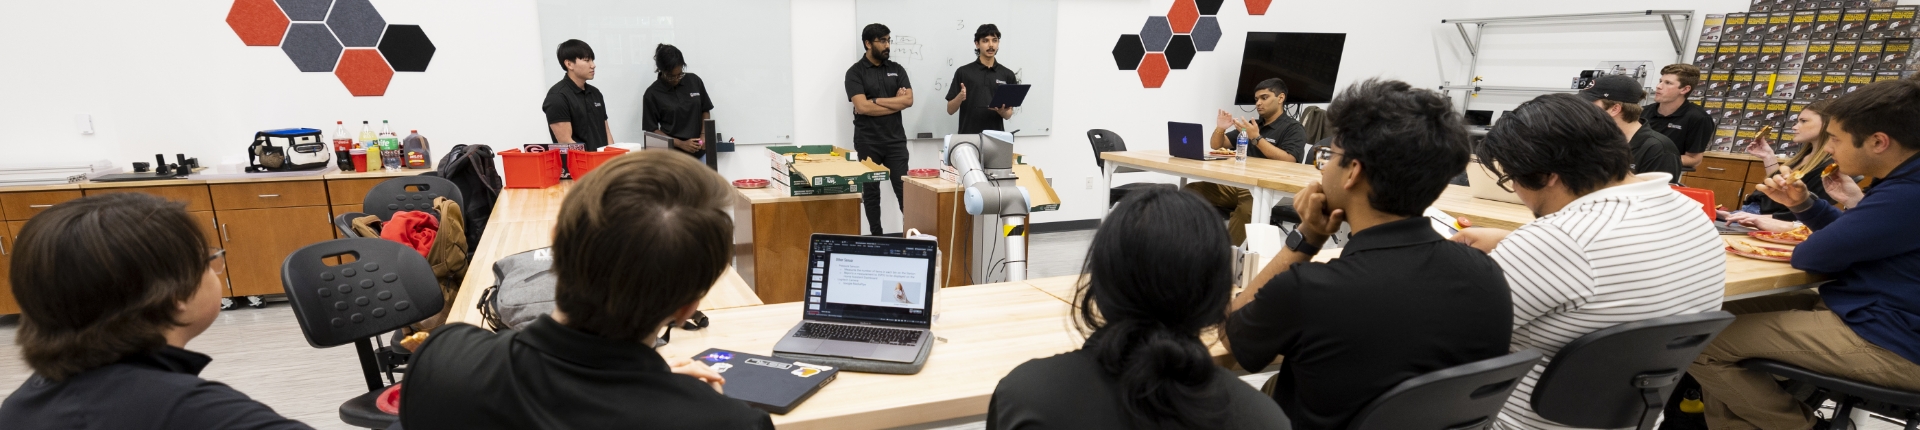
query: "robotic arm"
985, 164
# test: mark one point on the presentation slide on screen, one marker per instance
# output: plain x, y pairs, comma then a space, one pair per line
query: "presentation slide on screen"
877, 281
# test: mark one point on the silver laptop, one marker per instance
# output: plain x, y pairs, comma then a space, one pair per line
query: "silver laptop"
866, 297
1486, 186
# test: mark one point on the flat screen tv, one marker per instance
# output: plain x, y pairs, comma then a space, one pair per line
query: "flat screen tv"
1308, 62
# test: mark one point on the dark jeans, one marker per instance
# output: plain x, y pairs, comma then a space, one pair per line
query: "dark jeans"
894, 157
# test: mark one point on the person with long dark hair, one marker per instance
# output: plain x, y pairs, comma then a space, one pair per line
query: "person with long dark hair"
677, 104
1157, 276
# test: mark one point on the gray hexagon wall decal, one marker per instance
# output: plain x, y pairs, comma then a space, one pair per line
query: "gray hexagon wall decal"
1206, 33
406, 48
1180, 51
1127, 52
1156, 33
305, 10
356, 22
311, 47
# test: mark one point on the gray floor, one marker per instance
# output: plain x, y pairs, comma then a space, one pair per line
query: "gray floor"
262, 353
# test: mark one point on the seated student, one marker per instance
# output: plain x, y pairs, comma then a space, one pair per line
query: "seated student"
1865, 324
637, 245
1608, 247
1808, 134
1401, 300
111, 288
1158, 275
1272, 135
1620, 97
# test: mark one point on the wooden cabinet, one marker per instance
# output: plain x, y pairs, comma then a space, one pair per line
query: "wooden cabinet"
1730, 176
7, 305
259, 195
23, 205
259, 240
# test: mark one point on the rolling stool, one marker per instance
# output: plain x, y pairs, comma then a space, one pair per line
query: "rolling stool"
1847, 394
387, 286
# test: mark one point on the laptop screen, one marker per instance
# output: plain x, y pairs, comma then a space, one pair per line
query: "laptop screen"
864, 278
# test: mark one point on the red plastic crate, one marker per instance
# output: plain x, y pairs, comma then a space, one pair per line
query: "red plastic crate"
531, 169
1702, 195
581, 162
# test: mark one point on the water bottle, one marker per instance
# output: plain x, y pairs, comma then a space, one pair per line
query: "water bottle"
1240, 149
390, 158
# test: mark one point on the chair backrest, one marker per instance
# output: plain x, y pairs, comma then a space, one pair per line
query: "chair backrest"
344, 223
1468, 396
1104, 141
1597, 381
409, 193
387, 286
1702, 195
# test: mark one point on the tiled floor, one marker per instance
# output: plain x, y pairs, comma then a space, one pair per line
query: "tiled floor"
262, 353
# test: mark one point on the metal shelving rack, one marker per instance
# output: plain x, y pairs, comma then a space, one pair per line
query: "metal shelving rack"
1680, 35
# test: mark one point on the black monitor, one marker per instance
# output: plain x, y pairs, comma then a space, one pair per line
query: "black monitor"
1308, 62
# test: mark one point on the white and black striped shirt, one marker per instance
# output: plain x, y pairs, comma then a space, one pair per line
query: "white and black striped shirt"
1617, 255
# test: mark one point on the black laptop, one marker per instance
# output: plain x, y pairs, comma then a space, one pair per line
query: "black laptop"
771, 384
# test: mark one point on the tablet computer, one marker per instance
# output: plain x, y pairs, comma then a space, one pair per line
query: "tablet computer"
1009, 95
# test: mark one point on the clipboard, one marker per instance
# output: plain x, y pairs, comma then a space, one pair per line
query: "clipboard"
1009, 95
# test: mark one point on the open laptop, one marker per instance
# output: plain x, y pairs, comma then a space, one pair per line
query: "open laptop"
1486, 186
867, 298
1187, 140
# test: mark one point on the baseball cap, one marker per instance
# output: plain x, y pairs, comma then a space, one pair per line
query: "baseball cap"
1619, 88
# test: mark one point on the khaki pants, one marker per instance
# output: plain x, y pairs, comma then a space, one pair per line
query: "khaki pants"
1795, 328
1234, 199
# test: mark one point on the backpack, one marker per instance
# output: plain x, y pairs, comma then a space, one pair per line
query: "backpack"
286, 150
470, 168
522, 290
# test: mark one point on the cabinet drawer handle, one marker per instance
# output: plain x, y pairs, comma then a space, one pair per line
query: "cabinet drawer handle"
268, 196
39, 206
3, 248
1716, 168
223, 233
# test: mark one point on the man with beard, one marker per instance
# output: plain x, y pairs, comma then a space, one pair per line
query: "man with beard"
879, 90
983, 76
1272, 135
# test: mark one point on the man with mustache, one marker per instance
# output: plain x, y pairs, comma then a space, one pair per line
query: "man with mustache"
980, 79
879, 90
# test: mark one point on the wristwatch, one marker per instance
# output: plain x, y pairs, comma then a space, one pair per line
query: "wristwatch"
1298, 243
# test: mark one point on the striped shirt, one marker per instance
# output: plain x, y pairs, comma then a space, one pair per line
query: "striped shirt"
1617, 255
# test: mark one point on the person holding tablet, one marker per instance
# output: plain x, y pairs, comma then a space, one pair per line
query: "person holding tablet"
677, 103
981, 78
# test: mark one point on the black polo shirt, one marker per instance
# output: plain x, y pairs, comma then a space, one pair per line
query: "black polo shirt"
1401, 301
676, 110
877, 82
1074, 391
161, 389
1652, 152
1284, 132
1690, 128
585, 107
549, 376
981, 81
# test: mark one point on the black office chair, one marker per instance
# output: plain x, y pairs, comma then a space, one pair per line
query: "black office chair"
1105, 141
344, 223
386, 287
1464, 397
409, 193
1620, 376
1847, 394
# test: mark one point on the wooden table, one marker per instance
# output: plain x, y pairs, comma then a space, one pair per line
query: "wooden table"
1460, 202
934, 206
1281, 177
772, 232
987, 330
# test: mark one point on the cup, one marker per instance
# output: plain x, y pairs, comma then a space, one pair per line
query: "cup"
359, 159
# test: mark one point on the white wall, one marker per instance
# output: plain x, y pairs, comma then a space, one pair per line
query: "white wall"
169, 77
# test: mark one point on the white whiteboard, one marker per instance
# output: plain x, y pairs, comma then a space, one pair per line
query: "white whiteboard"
931, 38
740, 48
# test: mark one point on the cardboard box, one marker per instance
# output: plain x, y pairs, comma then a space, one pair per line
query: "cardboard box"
819, 169
804, 191
1037, 189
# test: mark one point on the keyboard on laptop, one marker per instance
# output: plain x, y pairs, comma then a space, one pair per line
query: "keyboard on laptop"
854, 333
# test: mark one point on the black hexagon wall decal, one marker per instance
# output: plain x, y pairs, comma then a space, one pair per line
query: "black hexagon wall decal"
1209, 7
311, 47
406, 48
356, 22
305, 10
1156, 33
1180, 52
1128, 51
1206, 33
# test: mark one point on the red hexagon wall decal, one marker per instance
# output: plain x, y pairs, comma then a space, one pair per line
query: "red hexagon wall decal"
258, 22
1183, 15
364, 72
1258, 7
1153, 70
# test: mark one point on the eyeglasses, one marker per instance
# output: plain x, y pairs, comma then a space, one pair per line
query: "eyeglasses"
886, 40
1325, 158
218, 261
